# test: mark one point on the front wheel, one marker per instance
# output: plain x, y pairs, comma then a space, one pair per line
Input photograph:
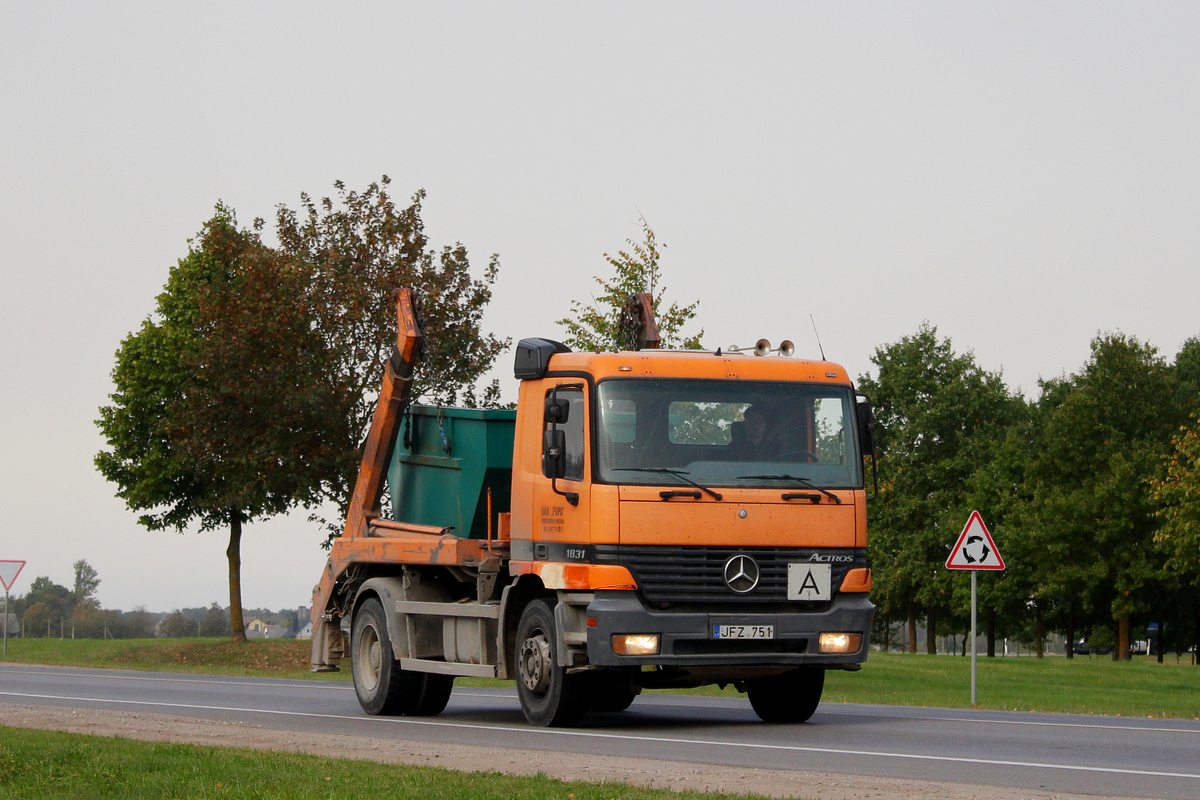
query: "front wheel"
789, 697
609, 691
550, 698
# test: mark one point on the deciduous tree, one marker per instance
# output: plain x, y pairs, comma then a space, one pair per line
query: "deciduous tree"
55, 601
1091, 518
222, 403
176, 625
87, 580
249, 390
939, 415
356, 250
215, 622
1178, 493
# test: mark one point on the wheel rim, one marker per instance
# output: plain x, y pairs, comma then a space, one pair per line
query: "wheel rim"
368, 659
535, 663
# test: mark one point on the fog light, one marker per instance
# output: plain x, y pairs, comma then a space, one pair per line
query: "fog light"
839, 642
635, 644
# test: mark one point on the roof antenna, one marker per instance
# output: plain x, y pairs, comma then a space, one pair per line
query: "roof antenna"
819, 347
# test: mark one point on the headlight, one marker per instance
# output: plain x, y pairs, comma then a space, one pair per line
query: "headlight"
839, 642
635, 644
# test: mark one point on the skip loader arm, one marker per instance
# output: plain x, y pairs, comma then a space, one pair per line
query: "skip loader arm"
638, 326
328, 645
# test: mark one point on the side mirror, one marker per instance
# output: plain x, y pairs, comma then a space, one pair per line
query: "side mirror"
554, 453
866, 423
557, 410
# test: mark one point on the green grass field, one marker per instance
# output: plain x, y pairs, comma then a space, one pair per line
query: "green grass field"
1083, 685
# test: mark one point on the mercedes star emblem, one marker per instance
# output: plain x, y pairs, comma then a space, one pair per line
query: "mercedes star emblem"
741, 573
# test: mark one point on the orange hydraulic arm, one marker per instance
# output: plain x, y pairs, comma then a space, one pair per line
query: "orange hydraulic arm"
368, 487
381, 440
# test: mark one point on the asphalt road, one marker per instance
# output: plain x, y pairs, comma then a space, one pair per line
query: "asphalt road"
1111, 756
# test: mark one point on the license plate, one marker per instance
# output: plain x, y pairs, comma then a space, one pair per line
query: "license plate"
743, 631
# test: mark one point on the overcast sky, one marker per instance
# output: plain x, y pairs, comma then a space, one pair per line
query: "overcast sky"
1021, 175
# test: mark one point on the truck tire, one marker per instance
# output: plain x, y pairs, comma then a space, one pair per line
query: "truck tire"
789, 697
382, 687
550, 698
609, 692
434, 695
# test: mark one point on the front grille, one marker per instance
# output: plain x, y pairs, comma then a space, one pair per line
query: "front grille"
696, 574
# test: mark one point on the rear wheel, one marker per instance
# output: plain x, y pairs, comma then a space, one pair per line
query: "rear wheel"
383, 688
789, 697
434, 695
549, 696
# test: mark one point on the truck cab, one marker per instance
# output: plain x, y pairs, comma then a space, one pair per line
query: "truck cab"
709, 507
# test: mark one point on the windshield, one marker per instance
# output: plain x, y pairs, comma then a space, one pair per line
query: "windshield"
726, 433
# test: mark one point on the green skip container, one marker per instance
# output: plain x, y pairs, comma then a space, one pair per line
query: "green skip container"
445, 462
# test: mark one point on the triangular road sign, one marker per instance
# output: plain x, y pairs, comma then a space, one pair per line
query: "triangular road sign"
9, 570
975, 548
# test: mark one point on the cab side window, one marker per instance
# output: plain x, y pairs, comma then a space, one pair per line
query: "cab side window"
575, 429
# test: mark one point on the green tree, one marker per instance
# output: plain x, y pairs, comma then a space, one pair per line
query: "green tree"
597, 327
1187, 375
1178, 497
88, 620
137, 624
87, 580
939, 415
1105, 434
38, 618
222, 410
215, 622
55, 602
998, 489
176, 625
248, 392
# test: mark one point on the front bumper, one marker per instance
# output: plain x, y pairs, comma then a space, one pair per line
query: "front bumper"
686, 637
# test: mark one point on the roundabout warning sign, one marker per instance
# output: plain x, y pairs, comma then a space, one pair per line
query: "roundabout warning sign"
975, 548
974, 551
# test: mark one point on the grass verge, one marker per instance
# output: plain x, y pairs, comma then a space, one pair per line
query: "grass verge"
262, 657
1138, 688
45, 765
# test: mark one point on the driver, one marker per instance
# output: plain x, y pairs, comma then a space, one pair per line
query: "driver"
758, 444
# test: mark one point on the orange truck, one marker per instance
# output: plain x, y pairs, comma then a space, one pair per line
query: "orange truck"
644, 519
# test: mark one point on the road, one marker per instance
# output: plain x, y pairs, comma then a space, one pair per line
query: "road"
1109, 756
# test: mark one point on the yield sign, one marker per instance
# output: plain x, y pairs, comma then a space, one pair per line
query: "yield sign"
9, 570
975, 548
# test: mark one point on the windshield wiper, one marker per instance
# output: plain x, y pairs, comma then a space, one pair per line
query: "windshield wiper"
802, 481
678, 473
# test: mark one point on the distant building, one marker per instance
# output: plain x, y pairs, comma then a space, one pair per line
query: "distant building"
267, 632
300, 623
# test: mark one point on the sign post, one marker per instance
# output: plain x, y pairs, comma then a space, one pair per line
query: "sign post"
9, 570
974, 551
